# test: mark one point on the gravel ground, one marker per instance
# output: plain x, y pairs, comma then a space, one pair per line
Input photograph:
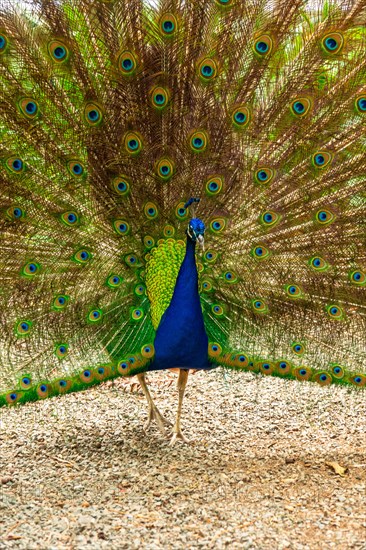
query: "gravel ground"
78, 471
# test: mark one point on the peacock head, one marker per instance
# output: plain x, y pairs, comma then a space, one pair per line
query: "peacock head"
196, 231
196, 227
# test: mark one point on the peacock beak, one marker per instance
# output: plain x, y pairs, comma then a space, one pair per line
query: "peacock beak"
201, 241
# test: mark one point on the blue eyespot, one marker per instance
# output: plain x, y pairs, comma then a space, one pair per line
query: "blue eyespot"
259, 251
262, 175
133, 144
59, 52
26, 381
299, 107
122, 186
283, 365
127, 64
319, 160
258, 304
213, 186
334, 310
93, 115
87, 373
2, 42
101, 370
24, 326
361, 104
151, 211
215, 348
96, 314
266, 366
216, 225
61, 300
31, 108
17, 212
77, 169
228, 276
323, 377
209, 255
116, 280
181, 211
337, 370
63, 383
261, 47
122, 227
84, 255
331, 44
168, 26
17, 165
357, 379
32, 268
13, 396
207, 70
302, 372
297, 348
240, 117
292, 289
268, 217
242, 358
43, 388
316, 262
198, 142
71, 218
159, 99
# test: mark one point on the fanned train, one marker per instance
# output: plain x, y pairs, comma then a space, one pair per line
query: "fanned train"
135, 133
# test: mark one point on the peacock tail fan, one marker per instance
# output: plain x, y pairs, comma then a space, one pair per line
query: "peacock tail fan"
113, 113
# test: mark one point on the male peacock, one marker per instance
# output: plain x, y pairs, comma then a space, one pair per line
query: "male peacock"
115, 116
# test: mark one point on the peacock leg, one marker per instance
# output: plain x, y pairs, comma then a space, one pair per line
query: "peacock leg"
154, 413
177, 432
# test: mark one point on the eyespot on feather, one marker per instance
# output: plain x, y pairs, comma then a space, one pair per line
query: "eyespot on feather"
214, 186
15, 165
321, 159
58, 51
82, 256
335, 312
264, 176
302, 373
323, 378
207, 69
165, 169
180, 212
358, 277
259, 306
332, 43
240, 117
263, 45
121, 227
23, 328
31, 269
3, 42
300, 107
121, 185
114, 281
75, 168
127, 63
318, 263
70, 218
198, 141
93, 114
324, 216
159, 97
15, 213
168, 25
28, 107
60, 302
95, 315
298, 348
214, 349
133, 143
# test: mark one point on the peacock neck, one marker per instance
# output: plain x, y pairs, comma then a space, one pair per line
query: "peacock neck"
181, 339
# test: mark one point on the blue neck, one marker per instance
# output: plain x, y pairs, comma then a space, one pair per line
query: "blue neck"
181, 339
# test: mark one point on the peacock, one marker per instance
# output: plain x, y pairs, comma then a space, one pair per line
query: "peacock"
182, 186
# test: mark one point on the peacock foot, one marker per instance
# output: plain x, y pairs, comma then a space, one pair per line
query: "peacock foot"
155, 414
177, 434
